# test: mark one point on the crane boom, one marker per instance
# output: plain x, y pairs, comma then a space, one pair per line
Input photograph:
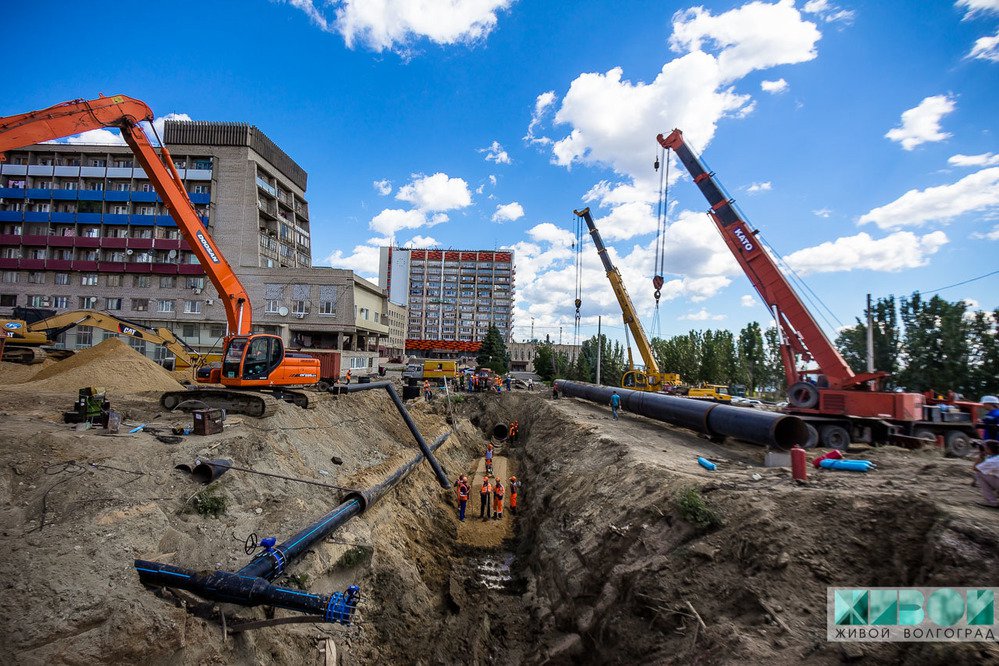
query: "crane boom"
802, 336
125, 113
649, 379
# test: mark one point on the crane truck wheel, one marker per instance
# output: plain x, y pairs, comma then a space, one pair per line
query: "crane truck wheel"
958, 444
835, 437
813, 437
925, 433
803, 395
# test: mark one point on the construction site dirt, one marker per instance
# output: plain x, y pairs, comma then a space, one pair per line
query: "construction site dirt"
623, 549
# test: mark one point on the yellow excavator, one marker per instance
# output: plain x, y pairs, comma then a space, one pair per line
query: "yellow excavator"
651, 378
32, 341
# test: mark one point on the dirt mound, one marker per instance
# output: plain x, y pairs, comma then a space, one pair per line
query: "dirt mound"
17, 373
112, 365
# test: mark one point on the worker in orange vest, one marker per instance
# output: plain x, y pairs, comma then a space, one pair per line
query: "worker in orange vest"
498, 492
512, 430
514, 488
462, 497
489, 458
347, 379
484, 492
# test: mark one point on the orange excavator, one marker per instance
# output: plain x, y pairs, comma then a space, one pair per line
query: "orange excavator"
256, 369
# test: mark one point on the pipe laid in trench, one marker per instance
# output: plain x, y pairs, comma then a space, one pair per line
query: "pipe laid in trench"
438, 471
501, 431
781, 431
251, 585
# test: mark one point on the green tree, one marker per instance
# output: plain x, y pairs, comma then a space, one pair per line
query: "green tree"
852, 341
935, 344
773, 377
752, 356
492, 353
983, 343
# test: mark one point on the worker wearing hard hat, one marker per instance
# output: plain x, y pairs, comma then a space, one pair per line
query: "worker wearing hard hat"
514, 490
498, 492
484, 492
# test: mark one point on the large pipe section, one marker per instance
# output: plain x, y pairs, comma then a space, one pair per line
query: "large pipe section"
438, 471
781, 431
251, 585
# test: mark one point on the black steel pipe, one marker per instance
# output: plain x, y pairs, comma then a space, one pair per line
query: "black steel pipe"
774, 429
251, 585
410, 423
500, 431
272, 562
234, 588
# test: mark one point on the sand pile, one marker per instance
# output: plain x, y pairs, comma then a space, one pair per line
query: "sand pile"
112, 365
16, 373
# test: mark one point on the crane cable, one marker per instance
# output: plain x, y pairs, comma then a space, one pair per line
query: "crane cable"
578, 247
660, 253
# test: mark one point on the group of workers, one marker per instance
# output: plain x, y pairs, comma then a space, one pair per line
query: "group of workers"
492, 494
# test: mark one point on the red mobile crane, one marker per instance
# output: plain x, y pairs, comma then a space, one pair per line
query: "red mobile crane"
838, 404
250, 361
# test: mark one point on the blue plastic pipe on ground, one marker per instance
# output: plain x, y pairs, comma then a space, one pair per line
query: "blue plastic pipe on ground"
706, 464
847, 465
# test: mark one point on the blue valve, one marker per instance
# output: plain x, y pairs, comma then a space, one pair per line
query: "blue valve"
267, 543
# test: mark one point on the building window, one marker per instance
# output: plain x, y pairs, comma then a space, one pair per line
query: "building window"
190, 331
140, 304
84, 336
168, 281
114, 280
137, 344
10, 277
36, 277
327, 308
272, 307
11, 253
144, 210
300, 308
88, 302
37, 301
123, 164
8, 300
164, 306
140, 281
195, 283
98, 163
216, 330
200, 189
119, 209
88, 279
60, 302
192, 307
113, 304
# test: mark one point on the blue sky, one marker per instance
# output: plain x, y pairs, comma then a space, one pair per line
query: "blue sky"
860, 137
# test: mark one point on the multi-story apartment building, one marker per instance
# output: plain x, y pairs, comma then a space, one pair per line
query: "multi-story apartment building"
453, 296
395, 346
81, 227
522, 354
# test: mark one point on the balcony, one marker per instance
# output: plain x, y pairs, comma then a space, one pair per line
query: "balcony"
12, 192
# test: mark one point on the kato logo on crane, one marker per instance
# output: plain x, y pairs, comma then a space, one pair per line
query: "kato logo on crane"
746, 243
208, 247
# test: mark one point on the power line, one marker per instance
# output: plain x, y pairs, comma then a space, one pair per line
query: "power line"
958, 284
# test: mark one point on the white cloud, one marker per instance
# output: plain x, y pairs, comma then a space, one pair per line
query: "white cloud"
363, 260
421, 242
986, 48
542, 104
549, 233
754, 36
701, 315
921, 124
987, 235
774, 87
747, 301
391, 220
822, 212
495, 153
383, 187
765, 186
508, 212
828, 12
438, 192
893, 253
984, 159
977, 192
394, 25
975, 7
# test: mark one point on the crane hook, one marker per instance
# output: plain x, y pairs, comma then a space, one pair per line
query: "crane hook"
655, 165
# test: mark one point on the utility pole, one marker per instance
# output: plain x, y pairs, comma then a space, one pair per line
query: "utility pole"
532, 329
560, 336
599, 347
870, 338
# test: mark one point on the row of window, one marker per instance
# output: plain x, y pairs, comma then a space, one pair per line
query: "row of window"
110, 304
90, 231
92, 207
327, 308
63, 159
109, 280
96, 185
119, 256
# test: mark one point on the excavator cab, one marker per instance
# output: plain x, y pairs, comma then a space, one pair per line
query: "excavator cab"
251, 358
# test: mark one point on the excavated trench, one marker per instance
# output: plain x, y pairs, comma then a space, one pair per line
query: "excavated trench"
622, 551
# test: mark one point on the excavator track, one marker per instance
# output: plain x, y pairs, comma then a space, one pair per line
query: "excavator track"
25, 355
250, 403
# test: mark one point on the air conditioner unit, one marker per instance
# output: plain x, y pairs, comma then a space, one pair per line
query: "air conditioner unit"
210, 301
197, 290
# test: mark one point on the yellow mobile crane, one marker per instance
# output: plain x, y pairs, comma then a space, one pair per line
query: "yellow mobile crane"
650, 379
29, 342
